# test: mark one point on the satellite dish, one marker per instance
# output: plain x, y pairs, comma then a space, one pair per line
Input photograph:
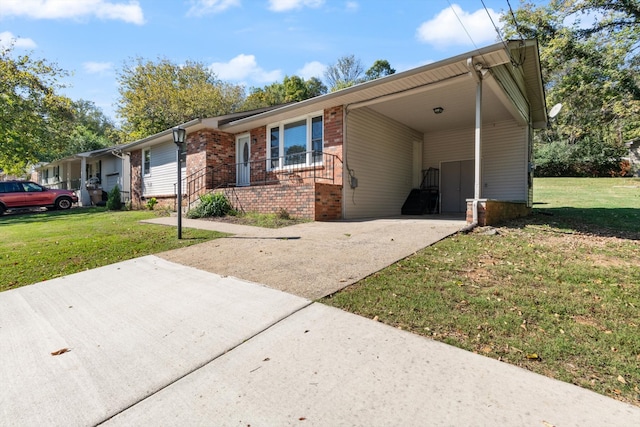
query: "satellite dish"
555, 110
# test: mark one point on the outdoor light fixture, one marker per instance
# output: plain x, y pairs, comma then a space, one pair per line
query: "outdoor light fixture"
179, 136
438, 110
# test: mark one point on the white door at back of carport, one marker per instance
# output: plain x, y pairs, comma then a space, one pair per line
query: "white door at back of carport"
456, 185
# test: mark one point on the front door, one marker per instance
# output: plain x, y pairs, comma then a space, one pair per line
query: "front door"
243, 156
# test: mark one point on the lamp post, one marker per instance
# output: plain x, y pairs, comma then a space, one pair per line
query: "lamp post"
179, 135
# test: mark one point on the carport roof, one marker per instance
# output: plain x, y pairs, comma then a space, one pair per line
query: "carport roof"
419, 79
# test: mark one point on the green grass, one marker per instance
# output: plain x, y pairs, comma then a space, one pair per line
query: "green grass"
276, 220
604, 202
41, 246
557, 293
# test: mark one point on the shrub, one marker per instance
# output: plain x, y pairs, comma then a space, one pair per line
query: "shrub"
114, 201
211, 205
151, 203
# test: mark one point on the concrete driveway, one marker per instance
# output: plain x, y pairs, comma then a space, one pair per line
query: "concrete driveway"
312, 259
153, 342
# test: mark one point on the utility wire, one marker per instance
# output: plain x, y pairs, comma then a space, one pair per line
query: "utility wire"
513, 61
462, 23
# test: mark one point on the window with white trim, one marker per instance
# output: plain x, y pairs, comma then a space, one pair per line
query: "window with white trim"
146, 162
296, 142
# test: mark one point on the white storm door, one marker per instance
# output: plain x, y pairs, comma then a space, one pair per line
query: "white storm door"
243, 164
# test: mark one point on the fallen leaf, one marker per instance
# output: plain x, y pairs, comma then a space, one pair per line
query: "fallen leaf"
546, 424
59, 352
301, 418
533, 356
621, 379
266, 359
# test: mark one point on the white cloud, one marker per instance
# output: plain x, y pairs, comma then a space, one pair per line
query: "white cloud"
8, 39
59, 9
285, 5
312, 69
204, 7
97, 67
352, 6
445, 29
244, 67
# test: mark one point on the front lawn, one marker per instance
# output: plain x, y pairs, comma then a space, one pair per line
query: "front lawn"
41, 246
557, 293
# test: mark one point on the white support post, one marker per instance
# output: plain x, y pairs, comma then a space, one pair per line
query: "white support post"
477, 187
85, 199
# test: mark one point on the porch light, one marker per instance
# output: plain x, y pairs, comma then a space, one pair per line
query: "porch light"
179, 135
438, 110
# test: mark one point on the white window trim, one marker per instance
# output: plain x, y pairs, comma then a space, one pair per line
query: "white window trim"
280, 125
146, 172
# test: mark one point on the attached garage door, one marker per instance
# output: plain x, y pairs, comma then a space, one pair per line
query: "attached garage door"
456, 185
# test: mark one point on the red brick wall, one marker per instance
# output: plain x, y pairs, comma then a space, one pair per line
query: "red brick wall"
298, 201
320, 202
328, 202
333, 127
209, 147
334, 139
136, 178
492, 212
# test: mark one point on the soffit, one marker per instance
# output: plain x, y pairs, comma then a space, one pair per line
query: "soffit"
428, 77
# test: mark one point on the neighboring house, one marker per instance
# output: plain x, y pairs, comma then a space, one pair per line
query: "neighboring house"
464, 123
634, 156
103, 169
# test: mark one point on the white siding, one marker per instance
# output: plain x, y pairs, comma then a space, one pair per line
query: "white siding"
163, 176
448, 146
111, 173
379, 151
504, 157
504, 174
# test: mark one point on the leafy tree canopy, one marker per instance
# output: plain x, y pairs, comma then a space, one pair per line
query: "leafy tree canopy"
590, 63
155, 96
291, 89
34, 119
349, 71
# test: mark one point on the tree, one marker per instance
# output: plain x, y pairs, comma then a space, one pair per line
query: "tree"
91, 129
380, 68
347, 71
292, 89
33, 118
592, 71
155, 96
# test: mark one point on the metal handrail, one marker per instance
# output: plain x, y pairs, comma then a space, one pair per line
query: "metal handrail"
303, 167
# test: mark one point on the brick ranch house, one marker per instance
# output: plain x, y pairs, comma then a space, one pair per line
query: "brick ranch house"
459, 130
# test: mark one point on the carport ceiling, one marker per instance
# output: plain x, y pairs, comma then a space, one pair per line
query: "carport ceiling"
458, 101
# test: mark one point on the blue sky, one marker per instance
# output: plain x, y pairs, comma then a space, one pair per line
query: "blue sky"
248, 42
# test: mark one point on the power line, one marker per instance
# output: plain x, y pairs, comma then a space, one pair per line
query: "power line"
515, 21
513, 61
462, 23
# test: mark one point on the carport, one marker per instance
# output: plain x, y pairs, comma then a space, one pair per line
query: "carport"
470, 117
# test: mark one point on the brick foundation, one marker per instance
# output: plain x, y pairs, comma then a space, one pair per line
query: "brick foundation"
492, 212
319, 202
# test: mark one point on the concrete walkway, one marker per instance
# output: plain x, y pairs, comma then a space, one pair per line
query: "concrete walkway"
153, 342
